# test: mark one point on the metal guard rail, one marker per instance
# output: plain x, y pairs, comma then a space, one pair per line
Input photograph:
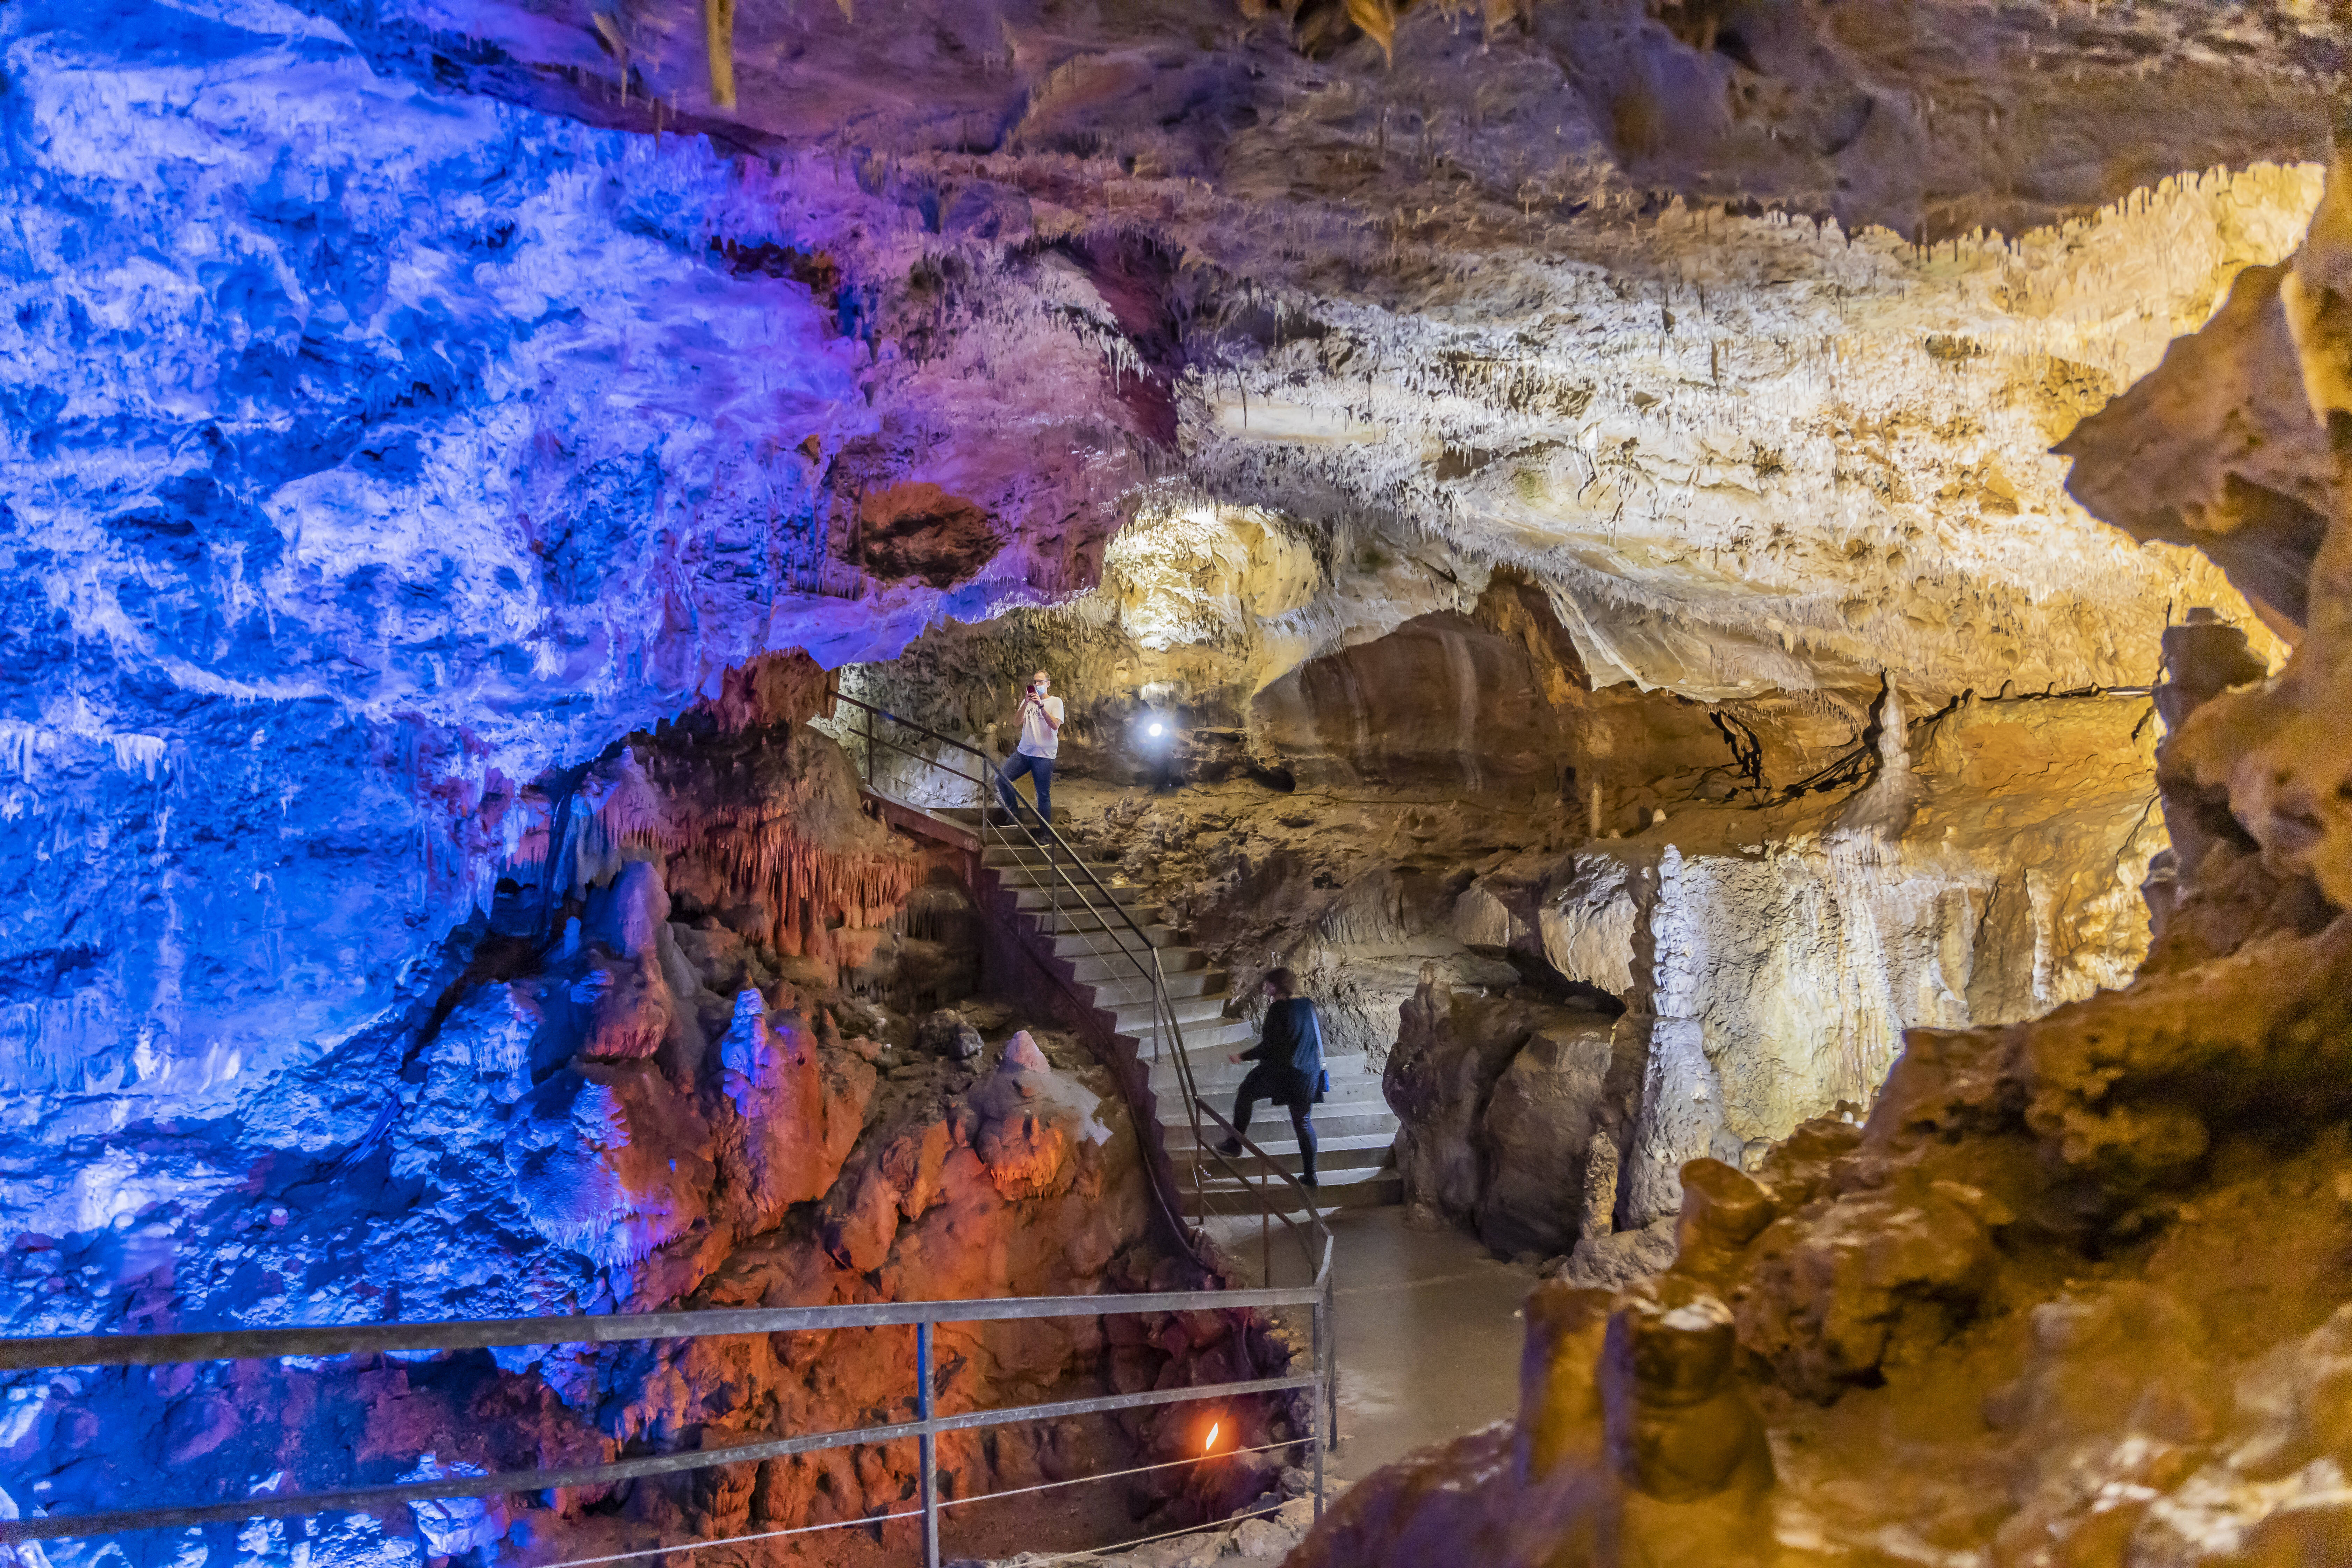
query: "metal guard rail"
1165, 1025
147, 1350
1155, 980
136, 1350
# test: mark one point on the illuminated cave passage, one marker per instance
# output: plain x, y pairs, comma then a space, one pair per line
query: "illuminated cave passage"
1750, 597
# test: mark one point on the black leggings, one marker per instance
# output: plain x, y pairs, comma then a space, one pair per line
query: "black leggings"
1262, 1084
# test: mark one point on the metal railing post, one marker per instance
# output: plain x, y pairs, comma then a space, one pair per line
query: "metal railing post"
735, 1448
1315, 1423
1330, 1368
928, 1444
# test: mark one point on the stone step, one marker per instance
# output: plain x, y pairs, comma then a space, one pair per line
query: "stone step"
1210, 1034
1102, 914
969, 815
1341, 1117
1333, 1167
1342, 1190
1040, 901
1137, 1018
1356, 1131
1335, 1149
1127, 989
1349, 1096
1202, 1056
1349, 1090
1362, 1098
1065, 889
1129, 994
1132, 969
1362, 1116
1346, 1072
1104, 943
1035, 857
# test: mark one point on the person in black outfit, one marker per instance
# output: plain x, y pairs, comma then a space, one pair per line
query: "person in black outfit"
1290, 1070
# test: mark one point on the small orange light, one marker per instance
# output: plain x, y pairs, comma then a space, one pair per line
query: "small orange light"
1210, 1446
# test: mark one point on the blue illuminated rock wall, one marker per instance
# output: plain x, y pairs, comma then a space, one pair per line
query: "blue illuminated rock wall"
369, 448
364, 451
366, 448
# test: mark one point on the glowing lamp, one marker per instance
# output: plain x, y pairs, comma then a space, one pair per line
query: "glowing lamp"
1157, 729
1210, 1446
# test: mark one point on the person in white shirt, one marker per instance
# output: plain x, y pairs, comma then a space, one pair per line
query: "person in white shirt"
1041, 738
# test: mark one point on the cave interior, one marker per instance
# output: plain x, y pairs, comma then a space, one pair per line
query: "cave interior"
1744, 595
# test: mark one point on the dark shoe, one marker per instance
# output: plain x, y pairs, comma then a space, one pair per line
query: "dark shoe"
1307, 1179
1230, 1147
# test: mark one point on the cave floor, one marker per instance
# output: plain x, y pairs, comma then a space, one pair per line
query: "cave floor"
1428, 1331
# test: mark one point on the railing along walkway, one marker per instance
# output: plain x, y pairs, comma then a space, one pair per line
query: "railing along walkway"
1110, 933
356, 1339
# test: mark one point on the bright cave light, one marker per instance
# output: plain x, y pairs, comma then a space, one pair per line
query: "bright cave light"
1157, 730
1210, 1446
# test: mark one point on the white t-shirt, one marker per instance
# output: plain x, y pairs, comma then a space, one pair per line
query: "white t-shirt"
1039, 739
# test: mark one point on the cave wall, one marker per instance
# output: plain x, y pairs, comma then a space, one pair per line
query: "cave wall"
370, 447
426, 514
473, 436
1764, 984
1770, 414
404, 408
1773, 889
2076, 1291
651, 1077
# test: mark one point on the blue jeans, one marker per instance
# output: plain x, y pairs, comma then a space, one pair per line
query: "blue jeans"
1041, 773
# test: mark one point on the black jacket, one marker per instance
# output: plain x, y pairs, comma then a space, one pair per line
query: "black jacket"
1290, 1048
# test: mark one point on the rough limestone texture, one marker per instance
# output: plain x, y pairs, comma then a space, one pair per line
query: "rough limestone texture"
2076, 1293
1742, 966
665, 1070
370, 447
401, 402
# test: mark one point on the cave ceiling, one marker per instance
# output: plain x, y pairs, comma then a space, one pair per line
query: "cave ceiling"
1746, 327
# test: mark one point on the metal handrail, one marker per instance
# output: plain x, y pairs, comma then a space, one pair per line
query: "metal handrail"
1166, 1028
364, 1339
906, 751
26, 1354
1175, 1220
1165, 1023
349, 1339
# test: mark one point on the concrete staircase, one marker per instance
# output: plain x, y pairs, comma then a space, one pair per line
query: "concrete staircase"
1355, 1129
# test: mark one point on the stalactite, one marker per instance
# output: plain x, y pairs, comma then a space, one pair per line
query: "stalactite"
718, 40
755, 850
802, 884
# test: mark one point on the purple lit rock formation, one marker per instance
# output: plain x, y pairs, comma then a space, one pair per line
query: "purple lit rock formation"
373, 448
